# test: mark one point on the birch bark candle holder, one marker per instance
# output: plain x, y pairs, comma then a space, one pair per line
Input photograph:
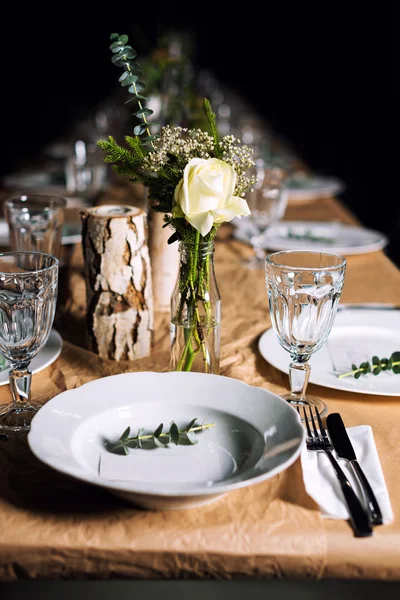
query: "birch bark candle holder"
118, 281
164, 262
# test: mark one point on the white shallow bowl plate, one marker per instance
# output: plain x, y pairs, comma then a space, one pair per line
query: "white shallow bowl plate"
329, 237
256, 435
315, 188
47, 355
368, 332
71, 234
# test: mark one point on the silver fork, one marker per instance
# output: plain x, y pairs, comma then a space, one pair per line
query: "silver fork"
318, 440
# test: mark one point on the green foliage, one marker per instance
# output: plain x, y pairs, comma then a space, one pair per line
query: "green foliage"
125, 162
378, 365
148, 159
158, 438
395, 366
186, 232
123, 55
128, 162
212, 122
169, 74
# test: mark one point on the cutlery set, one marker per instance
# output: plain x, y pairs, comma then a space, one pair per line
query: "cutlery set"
365, 513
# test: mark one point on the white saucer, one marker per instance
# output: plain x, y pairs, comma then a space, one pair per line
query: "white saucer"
48, 354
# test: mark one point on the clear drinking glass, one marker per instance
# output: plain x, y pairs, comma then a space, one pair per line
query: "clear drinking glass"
267, 202
304, 289
35, 222
28, 295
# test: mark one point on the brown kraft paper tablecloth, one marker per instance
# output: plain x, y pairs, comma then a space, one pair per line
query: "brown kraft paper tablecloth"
55, 527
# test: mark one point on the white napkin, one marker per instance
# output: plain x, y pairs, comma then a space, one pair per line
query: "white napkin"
323, 486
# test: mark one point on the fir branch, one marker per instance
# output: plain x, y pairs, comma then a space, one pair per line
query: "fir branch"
118, 154
124, 162
136, 145
128, 174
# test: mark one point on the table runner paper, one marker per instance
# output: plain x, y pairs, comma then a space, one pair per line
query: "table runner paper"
54, 527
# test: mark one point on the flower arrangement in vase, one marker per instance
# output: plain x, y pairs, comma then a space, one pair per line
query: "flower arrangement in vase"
199, 181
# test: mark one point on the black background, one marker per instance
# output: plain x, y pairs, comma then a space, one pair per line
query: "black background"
324, 75
198, 590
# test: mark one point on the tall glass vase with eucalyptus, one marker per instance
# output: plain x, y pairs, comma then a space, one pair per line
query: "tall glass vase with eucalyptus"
199, 180
196, 310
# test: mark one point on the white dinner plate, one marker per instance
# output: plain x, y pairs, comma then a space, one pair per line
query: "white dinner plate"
47, 355
256, 435
356, 336
318, 235
305, 187
71, 234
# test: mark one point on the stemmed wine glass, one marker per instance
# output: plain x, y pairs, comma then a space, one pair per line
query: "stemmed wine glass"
28, 295
267, 202
304, 289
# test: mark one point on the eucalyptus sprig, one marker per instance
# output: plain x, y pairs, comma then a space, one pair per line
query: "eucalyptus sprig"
378, 365
158, 438
123, 57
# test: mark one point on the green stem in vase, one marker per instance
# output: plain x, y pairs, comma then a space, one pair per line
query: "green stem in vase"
196, 254
196, 283
188, 354
191, 355
204, 291
192, 293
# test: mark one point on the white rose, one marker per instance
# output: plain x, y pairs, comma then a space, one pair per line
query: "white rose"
205, 194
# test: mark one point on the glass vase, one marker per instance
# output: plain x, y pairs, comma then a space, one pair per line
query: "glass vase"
195, 311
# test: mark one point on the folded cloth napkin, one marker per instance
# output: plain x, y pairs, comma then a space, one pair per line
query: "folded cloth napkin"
323, 486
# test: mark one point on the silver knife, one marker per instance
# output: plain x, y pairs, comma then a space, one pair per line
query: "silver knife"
344, 449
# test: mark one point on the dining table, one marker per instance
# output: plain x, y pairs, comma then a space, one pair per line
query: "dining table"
55, 527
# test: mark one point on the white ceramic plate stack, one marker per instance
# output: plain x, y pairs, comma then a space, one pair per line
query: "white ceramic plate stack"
256, 435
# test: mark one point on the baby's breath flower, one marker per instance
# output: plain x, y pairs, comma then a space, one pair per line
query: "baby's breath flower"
240, 157
181, 143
